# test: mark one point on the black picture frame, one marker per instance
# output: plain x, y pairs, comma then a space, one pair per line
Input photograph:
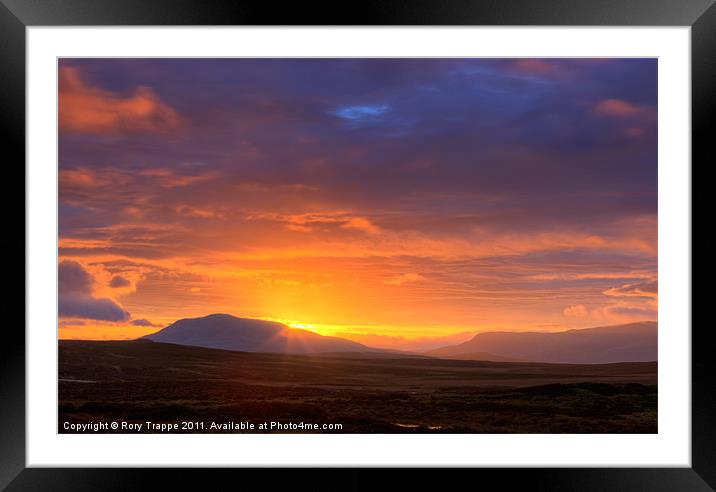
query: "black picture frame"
17, 15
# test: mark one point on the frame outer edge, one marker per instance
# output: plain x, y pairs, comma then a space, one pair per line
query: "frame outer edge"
368, 12
536, 479
12, 99
703, 111
12, 347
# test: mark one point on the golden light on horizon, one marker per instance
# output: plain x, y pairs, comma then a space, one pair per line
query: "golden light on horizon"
302, 326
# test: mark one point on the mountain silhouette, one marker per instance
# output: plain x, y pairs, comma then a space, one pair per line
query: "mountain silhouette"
633, 342
223, 331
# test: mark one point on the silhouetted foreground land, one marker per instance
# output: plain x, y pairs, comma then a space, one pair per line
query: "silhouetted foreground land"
140, 381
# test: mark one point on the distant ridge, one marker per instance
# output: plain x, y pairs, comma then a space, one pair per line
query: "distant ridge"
633, 342
224, 331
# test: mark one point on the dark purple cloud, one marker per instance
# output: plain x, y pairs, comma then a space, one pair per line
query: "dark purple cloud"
73, 278
102, 309
76, 299
118, 281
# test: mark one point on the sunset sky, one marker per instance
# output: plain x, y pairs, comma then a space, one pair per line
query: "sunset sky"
383, 200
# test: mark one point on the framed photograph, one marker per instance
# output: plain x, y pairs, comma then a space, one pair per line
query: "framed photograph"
422, 235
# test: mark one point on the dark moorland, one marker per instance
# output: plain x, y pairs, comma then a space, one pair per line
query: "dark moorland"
139, 381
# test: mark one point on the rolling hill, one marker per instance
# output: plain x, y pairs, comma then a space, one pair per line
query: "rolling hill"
634, 342
223, 331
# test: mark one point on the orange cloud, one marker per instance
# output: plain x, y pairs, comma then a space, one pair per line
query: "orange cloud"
86, 109
197, 212
624, 312
629, 302
593, 275
77, 177
304, 222
361, 224
298, 228
92, 179
648, 289
578, 311
535, 66
166, 178
404, 278
616, 108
